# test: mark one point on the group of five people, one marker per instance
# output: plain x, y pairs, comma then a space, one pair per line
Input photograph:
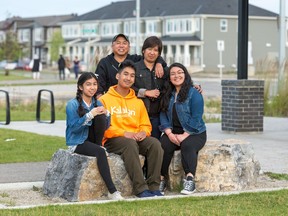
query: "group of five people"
138, 105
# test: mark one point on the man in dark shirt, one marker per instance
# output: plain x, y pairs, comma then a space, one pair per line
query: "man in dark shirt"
108, 66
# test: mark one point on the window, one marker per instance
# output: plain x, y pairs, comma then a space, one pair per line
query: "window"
151, 27
110, 29
197, 24
223, 25
179, 26
38, 34
126, 28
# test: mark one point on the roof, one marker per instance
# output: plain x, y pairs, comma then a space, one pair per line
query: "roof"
47, 21
152, 8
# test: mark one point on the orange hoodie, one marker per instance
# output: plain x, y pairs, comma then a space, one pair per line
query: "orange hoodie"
127, 114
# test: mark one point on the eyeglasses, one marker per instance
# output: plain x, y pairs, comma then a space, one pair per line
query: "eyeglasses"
178, 73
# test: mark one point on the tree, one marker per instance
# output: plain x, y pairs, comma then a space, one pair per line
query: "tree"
10, 49
56, 42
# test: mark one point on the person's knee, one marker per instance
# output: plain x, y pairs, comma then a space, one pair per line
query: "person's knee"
101, 153
131, 146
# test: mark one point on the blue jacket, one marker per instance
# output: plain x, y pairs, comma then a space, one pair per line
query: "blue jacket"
189, 112
77, 127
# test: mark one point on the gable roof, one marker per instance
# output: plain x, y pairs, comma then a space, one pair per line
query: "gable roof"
152, 8
47, 21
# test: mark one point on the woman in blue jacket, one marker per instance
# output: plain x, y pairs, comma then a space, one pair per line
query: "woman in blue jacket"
86, 122
182, 125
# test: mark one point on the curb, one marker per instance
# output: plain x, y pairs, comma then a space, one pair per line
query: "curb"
21, 185
206, 194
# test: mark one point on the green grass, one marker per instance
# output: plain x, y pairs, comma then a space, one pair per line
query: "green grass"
264, 203
278, 176
19, 146
15, 75
27, 112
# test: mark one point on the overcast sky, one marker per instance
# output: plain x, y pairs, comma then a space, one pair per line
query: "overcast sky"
31, 8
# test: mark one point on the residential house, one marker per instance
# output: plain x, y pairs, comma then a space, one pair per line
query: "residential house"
35, 33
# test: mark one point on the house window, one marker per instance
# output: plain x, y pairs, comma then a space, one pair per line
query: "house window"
110, 29
179, 26
223, 25
38, 34
133, 27
151, 27
197, 24
126, 28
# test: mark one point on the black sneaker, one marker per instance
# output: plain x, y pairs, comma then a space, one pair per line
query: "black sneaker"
189, 187
162, 186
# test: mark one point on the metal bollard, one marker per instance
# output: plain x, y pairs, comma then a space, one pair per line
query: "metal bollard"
7, 107
39, 106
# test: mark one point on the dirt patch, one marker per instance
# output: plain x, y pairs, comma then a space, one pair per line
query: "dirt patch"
35, 197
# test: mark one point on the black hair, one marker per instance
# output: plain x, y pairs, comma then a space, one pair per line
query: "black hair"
169, 87
126, 63
152, 41
81, 80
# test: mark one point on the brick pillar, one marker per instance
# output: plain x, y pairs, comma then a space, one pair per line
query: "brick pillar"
242, 105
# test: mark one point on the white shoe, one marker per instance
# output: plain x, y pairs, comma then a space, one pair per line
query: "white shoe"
115, 196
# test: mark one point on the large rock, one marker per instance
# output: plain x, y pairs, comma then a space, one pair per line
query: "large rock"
76, 177
223, 165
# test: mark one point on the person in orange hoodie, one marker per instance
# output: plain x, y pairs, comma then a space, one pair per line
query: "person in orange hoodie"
129, 133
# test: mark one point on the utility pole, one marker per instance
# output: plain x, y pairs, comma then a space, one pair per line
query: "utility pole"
137, 26
282, 43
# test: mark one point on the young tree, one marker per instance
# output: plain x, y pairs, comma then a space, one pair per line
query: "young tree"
10, 49
56, 43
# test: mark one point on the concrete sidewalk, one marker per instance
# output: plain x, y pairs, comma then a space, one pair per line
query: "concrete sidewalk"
271, 147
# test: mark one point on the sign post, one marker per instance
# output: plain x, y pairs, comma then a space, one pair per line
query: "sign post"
220, 48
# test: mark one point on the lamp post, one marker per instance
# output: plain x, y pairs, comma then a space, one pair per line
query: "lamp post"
137, 26
282, 43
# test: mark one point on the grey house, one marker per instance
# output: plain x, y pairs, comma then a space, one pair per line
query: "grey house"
34, 33
201, 34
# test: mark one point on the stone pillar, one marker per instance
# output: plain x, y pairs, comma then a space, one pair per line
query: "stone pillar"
242, 105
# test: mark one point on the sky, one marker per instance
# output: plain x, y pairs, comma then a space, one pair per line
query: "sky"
32, 8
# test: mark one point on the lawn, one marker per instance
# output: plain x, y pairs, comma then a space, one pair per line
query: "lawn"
264, 203
19, 146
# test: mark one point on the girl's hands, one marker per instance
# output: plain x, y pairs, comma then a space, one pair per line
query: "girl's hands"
98, 111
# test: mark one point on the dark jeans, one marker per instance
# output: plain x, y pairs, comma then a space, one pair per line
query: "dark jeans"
92, 147
61, 74
189, 152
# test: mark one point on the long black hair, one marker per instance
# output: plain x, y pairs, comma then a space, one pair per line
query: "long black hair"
81, 80
169, 88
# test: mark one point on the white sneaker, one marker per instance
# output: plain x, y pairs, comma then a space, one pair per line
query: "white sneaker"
115, 196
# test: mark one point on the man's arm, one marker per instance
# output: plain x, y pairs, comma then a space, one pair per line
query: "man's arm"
101, 73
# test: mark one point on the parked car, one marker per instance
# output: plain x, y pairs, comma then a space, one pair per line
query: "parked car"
23, 65
3, 64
